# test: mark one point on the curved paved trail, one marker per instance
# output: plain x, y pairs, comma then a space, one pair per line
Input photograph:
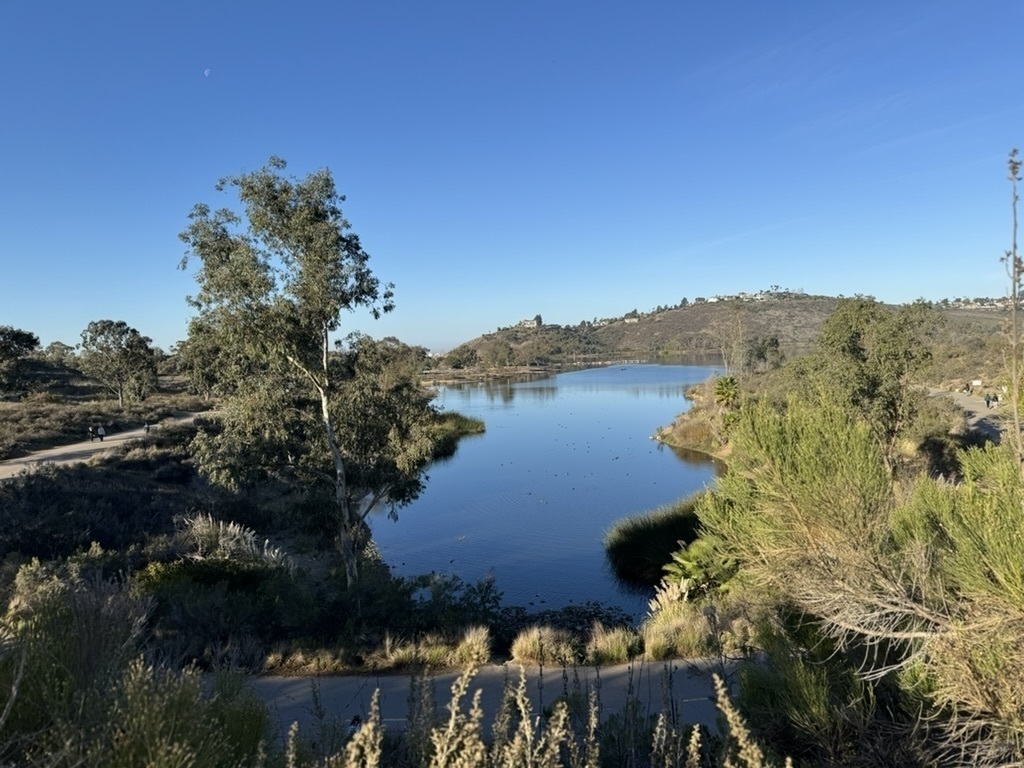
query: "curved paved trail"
981, 418
685, 685
79, 452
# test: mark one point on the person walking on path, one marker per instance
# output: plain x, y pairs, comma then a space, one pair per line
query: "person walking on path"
988, 400
101, 432
92, 433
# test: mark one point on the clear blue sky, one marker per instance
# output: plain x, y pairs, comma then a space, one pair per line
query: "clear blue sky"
573, 159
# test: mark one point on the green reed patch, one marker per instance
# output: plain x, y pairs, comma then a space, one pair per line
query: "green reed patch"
638, 547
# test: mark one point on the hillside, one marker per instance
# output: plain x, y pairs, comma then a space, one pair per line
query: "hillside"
701, 327
967, 343
710, 326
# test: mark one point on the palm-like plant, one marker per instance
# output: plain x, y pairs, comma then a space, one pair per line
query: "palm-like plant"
727, 391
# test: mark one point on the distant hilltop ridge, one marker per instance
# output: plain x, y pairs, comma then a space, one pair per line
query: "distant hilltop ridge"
702, 326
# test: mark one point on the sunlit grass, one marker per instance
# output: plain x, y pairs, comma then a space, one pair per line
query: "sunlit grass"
614, 645
544, 645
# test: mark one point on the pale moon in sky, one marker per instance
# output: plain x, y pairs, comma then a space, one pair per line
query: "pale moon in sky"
206, 73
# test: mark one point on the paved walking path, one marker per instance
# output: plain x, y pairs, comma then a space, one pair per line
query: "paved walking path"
79, 452
291, 699
982, 418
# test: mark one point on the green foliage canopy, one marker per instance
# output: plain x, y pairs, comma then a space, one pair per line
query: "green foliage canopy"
120, 358
14, 345
867, 358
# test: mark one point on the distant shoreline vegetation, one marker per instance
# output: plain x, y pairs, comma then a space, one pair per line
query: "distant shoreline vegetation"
441, 376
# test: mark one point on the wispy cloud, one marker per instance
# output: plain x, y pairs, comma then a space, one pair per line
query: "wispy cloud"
707, 245
933, 132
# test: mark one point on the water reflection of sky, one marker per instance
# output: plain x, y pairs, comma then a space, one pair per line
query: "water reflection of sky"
529, 501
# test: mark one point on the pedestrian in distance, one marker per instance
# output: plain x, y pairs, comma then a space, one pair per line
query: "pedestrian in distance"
92, 433
145, 428
988, 400
101, 432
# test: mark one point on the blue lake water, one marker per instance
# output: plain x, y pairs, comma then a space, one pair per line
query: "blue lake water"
563, 458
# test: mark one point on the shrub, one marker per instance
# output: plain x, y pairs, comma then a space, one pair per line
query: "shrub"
474, 647
544, 645
158, 714
210, 538
217, 611
57, 511
614, 645
804, 700
678, 627
679, 631
71, 641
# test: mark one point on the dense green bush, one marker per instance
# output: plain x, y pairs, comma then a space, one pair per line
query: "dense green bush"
58, 511
919, 578
805, 699
216, 611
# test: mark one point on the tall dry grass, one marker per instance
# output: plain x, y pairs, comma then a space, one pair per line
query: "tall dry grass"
544, 645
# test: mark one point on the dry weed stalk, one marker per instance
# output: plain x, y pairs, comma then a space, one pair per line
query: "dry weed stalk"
747, 750
365, 748
458, 743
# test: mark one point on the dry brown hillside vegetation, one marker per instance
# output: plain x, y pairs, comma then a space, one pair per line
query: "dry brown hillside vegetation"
968, 344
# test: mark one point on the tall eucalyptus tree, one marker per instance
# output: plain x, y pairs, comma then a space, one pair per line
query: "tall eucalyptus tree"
273, 285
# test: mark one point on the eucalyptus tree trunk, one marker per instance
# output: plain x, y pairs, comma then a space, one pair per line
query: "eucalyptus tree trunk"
346, 534
343, 506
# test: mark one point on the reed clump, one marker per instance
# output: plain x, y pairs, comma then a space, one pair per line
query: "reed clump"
612, 645
637, 547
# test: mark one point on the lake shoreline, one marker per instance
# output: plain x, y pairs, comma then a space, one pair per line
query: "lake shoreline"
564, 456
446, 376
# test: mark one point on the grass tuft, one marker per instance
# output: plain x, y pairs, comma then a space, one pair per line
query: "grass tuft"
544, 645
615, 645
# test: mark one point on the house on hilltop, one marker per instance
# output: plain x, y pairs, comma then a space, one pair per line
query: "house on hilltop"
535, 322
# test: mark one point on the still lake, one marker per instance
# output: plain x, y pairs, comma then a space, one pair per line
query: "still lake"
529, 501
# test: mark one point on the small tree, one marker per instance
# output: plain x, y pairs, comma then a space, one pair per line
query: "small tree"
867, 358
498, 353
15, 344
120, 358
763, 353
200, 358
727, 334
462, 357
